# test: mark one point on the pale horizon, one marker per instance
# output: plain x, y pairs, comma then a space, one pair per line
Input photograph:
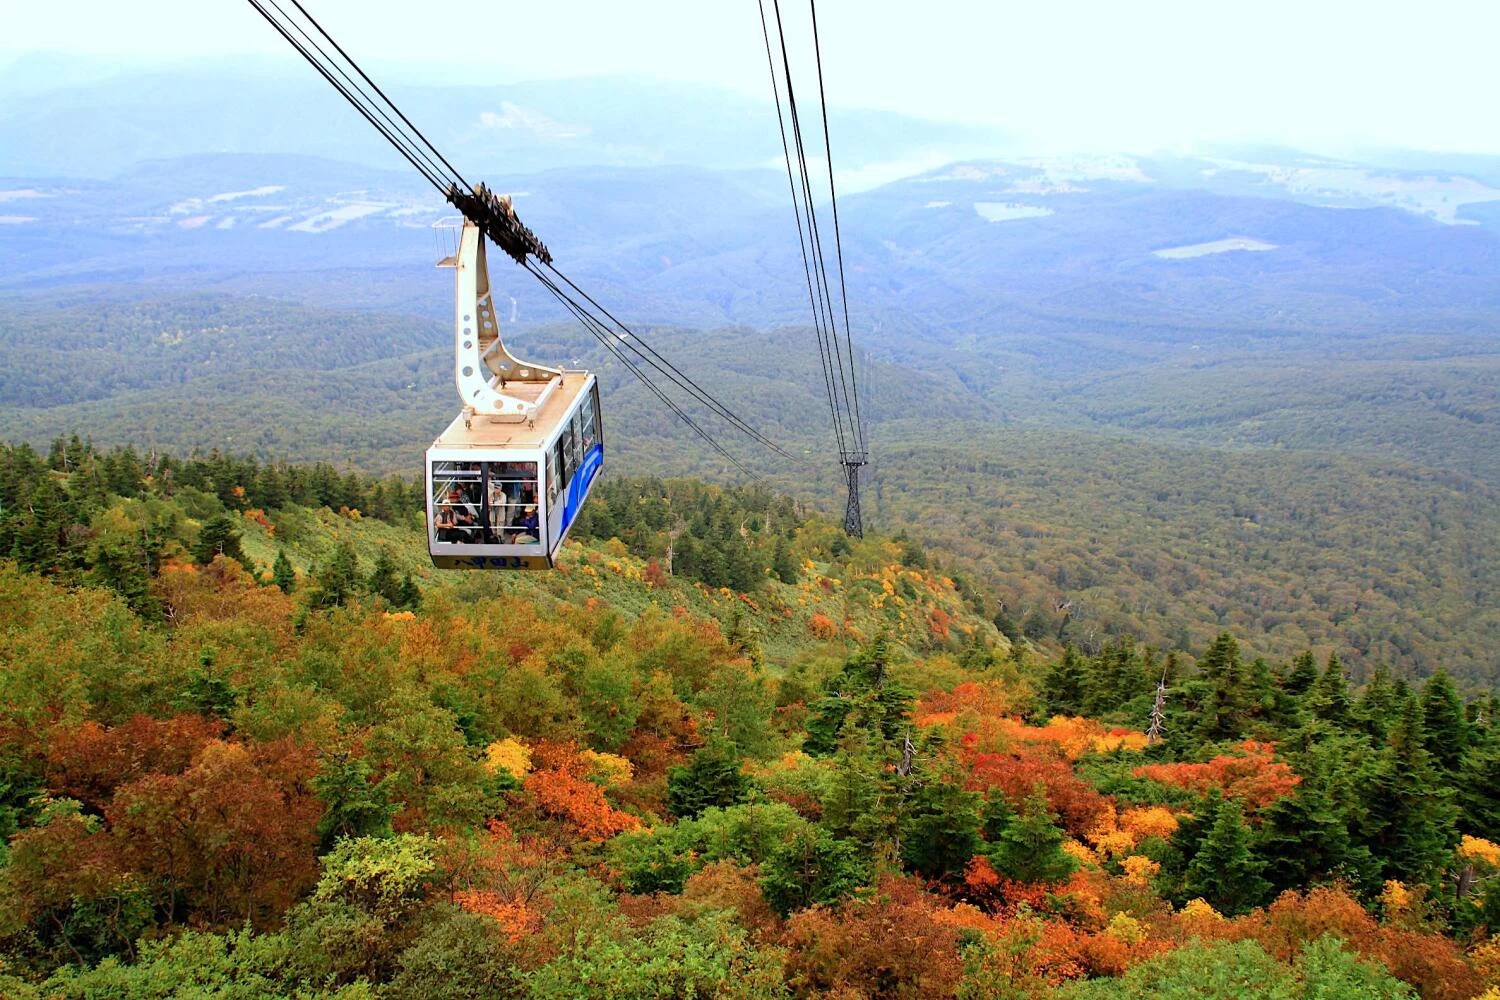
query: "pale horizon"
1334, 78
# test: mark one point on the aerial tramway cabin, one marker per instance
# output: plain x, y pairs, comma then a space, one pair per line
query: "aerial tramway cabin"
506, 480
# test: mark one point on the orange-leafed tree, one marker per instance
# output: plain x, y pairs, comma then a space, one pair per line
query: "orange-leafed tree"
89, 761
560, 789
1253, 775
1017, 774
230, 839
892, 945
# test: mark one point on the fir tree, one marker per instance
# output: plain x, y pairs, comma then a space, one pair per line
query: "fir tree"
996, 818
337, 579
1329, 697
1409, 815
1063, 687
1114, 677
219, 537
1007, 626
783, 564
283, 575
1478, 789
383, 580
272, 492
1226, 706
712, 777
39, 532
1444, 727
353, 806
410, 595
1029, 848
1224, 871
124, 475
855, 783
1303, 675
941, 830
1262, 689
812, 867
1305, 842
1378, 707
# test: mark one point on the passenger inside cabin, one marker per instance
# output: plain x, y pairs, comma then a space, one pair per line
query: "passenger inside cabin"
445, 525
465, 517
512, 490
528, 530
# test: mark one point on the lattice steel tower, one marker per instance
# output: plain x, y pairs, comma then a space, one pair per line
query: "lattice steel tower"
853, 461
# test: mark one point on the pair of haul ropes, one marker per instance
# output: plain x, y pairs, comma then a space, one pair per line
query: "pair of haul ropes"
506, 479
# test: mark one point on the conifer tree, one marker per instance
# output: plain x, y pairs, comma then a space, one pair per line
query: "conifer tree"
1029, 848
1226, 705
783, 564
712, 777
1262, 689
1224, 871
996, 817
1304, 841
336, 580
283, 575
383, 580
1444, 727
409, 594
1478, 788
1409, 815
857, 779
1114, 677
941, 830
1007, 626
123, 555
39, 532
353, 805
1329, 697
1303, 675
219, 537
124, 475
812, 867
1064, 685
271, 490
859, 697
1379, 707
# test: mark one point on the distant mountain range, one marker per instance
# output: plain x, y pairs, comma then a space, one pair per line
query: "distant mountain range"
98, 128
1167, 250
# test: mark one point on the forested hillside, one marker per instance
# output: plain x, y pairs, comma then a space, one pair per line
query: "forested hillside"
251, 745
1346, 506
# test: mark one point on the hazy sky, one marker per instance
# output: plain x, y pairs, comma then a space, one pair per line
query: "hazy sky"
1132, 74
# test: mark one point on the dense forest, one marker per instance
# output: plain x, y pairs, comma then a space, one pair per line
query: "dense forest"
251, 745
1095, 484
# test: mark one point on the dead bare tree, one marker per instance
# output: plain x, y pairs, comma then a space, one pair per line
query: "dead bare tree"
1158, 712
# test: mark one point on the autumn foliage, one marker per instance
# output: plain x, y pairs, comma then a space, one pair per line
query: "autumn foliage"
613, 781
562, 791
1252, 775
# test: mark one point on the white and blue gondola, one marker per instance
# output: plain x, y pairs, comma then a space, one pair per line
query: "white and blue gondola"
504, 496
507, 478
